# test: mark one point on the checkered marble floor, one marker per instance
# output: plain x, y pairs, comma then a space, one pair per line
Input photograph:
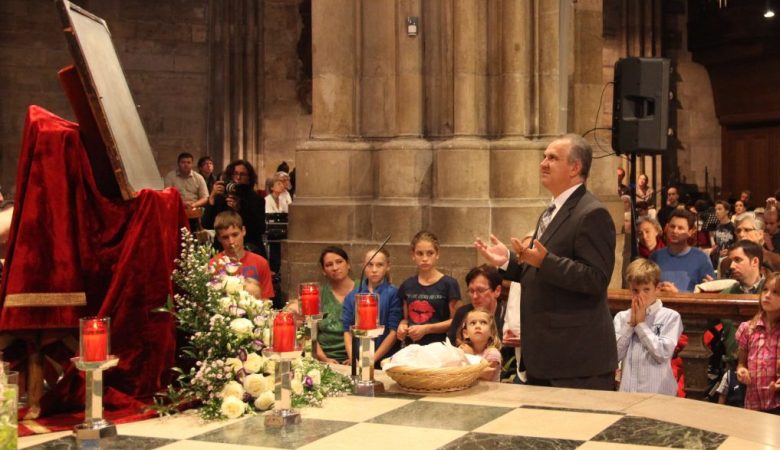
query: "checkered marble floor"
488, 416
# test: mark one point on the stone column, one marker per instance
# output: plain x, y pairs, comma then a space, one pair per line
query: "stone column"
460, 209
517, 196
404, 162
547, 89
335, 176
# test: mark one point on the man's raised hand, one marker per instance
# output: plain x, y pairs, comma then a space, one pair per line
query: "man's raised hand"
496, 254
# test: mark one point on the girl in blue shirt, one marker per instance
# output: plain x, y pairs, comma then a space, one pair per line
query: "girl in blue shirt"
377, 280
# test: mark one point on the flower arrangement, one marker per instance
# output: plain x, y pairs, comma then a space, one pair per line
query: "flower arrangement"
314, 381
227, 329
8, 420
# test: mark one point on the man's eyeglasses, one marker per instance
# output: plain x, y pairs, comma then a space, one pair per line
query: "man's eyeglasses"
240, 174
745, 230
478, 291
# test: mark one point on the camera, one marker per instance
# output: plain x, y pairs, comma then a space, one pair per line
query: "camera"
237, 189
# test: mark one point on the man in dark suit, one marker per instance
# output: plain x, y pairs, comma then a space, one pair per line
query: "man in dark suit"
567, 335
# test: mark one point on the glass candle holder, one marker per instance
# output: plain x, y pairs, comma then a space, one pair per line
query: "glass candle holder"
309, 293
283, 339
366, 311
94, 340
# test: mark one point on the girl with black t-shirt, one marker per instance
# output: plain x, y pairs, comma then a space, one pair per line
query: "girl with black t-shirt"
430, 298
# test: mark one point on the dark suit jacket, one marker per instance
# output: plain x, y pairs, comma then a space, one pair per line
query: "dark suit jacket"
566, 326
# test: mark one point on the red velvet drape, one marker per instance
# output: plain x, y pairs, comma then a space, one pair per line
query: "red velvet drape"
67, 237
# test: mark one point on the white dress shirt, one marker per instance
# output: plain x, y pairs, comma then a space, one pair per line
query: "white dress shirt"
646, 350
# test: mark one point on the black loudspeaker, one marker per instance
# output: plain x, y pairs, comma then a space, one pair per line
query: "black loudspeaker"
640, 105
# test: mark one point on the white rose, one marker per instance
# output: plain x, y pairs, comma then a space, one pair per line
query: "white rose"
265, 401
241, 326
314, 374
225, 303
245, 300
232, 389
296, 387
233, 285
254, 384
254, 363
270, 366
235, 364
232, 407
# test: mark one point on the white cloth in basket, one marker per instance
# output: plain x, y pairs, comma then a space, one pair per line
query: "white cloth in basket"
431, 356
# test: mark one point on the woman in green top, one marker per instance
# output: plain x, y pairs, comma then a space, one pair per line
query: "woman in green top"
335, 267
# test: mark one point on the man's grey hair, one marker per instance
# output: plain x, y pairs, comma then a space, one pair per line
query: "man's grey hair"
581, 151
758, 224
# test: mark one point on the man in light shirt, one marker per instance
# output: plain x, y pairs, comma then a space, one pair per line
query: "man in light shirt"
190, 184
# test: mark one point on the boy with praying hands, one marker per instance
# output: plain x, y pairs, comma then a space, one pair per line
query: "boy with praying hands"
646, 334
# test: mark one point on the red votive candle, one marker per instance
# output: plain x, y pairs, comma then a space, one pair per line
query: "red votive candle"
310, 298
284, 332
367, 306
94, 339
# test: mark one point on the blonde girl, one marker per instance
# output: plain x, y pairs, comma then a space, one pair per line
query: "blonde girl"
479, 336
377, 280
429, 298
759, 351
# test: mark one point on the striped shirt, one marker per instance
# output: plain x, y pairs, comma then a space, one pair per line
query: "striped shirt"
762, 351
646, 350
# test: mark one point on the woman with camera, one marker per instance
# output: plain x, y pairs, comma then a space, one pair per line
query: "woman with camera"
236, 191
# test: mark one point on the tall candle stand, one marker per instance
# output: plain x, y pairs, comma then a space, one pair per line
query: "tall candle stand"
366, 385
367, 328
283, 414
284, 349
93, 359
94, 427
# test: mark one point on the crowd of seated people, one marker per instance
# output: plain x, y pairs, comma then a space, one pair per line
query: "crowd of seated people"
680, 247
695, 243
427, 307
207, 193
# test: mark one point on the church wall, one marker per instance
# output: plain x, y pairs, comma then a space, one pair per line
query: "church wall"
161, 45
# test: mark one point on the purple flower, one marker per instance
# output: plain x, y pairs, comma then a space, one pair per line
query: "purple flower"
258, 344
240, 375
308, 382
242, 354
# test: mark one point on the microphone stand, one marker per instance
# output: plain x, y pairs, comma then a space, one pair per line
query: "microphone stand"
355, 340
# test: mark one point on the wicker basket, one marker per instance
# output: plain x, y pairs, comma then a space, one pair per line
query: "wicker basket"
445, 379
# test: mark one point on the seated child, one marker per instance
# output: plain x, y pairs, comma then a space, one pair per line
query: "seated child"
646, 334
255, 269
479, 336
